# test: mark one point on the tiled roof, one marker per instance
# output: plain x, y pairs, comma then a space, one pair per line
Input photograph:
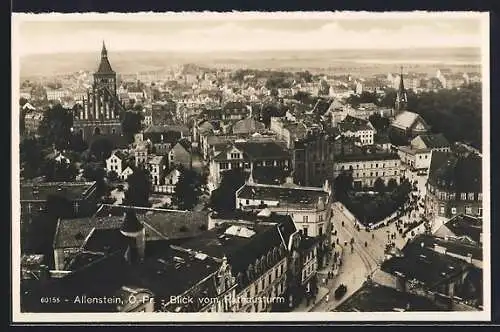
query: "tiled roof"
353, 124
243, 251
159, 224
407, 119
425, 265
248, 126
434, 140
463, 225
286, 195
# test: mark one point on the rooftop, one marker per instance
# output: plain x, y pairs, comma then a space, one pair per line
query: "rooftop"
456, 173
159, 224
69, 190
407, 119
241, 251
354, 124
434, 140
360, 156
465, 226
424, 265
288, 195
377, 298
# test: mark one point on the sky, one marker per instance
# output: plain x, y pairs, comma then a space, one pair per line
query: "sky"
43, 33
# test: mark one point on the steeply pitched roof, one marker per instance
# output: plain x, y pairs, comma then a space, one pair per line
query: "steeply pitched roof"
104, 65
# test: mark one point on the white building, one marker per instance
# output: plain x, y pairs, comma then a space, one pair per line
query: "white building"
308, 206
366, 168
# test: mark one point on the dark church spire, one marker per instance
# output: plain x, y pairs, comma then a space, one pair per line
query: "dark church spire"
401, 98
104, 66
104, 51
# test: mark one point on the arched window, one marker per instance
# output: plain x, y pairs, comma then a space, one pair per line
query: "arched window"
257, 267
250, 272
263, 264
270, 258
276, 254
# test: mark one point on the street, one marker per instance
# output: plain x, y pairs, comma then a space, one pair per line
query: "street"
367, 251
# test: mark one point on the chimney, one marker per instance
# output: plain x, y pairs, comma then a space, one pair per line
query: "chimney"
134, 231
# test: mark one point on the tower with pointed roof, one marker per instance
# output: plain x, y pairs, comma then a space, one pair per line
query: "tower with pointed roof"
100, 111
401, 98
105, 76
134, 231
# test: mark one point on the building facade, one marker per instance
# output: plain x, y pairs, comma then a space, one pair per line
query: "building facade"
454, 186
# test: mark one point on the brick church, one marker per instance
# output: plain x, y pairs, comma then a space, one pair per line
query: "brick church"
100, 110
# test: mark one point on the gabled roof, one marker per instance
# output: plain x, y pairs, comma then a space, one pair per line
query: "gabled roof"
104, 66
434, 140
351, 123
407, 119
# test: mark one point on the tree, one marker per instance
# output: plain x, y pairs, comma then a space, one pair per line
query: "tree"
56, 171
139, 189
92, 171
31, 157
131, 124
55, 127
187, 189
392, 185
343, 184
101, 148
379, 185
381, 124
222, 198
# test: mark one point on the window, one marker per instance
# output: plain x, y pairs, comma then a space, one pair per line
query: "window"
452, 196
247, 201
281, 269
470, 196
305, 218
480, 212
463, 196
320, 231
441, 209
468, 209
263, 283
270, 276
224, 165
480, 197
256, 287
276, 273
304, 231
453, 210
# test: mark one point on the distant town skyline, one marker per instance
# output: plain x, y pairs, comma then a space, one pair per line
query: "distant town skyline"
45, 34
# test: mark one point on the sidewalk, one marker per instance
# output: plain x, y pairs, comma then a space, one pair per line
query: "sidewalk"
323, 289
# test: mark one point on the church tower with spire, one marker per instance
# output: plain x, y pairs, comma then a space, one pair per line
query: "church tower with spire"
99, 112
105, 76
401, 98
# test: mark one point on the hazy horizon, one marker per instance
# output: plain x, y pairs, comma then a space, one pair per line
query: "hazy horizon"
228, 32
